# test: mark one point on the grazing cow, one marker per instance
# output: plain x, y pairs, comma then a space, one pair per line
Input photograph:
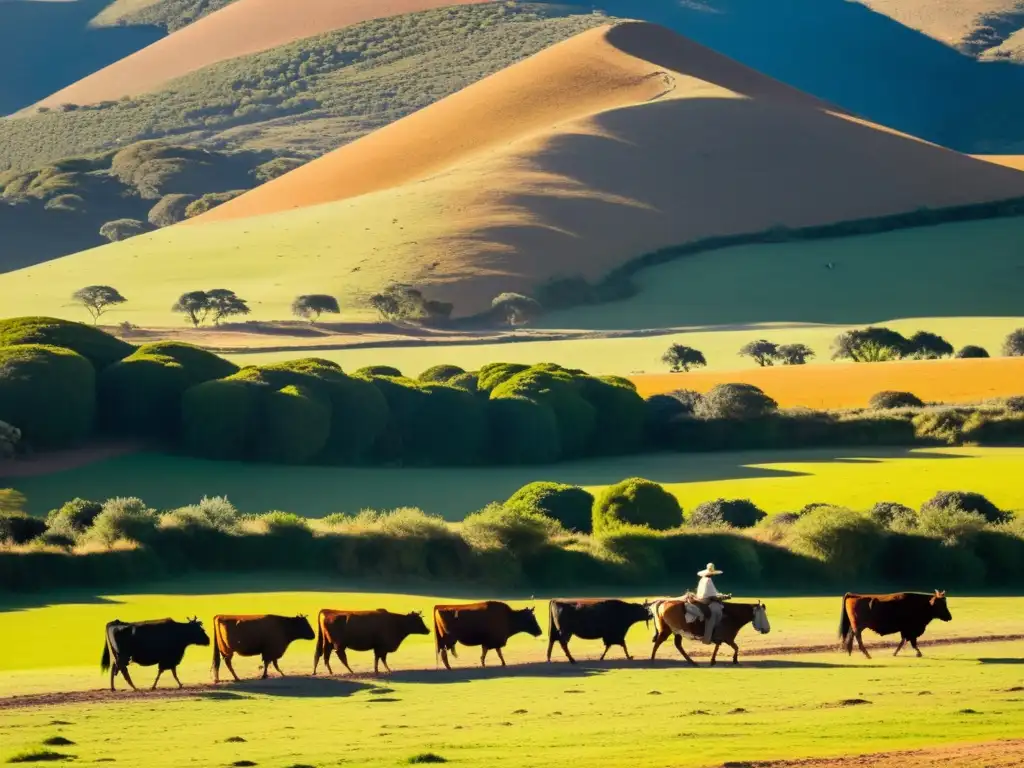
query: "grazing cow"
908, 613
265, 636
488, 625
605, 620
379, 631
161, 642
670, 618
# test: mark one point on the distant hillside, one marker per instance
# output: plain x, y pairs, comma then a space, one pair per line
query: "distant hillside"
310, 96
976, 27
171, 15
618, 142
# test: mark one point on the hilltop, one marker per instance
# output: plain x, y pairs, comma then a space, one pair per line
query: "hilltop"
622, 140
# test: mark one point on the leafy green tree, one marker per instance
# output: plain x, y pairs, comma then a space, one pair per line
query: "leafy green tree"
971, 351
869, 345
195, 305
224, 303
97, 299
683, 358
1014, 344
761, 351
311, 306
794, 354
735, 401
929, 346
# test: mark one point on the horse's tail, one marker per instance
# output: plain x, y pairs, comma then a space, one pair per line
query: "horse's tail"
844, 620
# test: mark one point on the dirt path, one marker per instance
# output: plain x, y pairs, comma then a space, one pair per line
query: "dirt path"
303, 685
48, 462
993, 754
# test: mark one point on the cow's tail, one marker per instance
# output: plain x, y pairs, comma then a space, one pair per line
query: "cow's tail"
215, 667
844, 621
105, 658
437, 639
551, 621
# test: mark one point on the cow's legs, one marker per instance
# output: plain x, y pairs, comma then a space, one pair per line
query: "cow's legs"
903, 641
318, 653
380, 657
605, 652
679, 647
231, 669
274, 662
174, 672
444, 658
483, 658
625, 650
551, 642
113, 673
860, 642
327, 659
159, 671
124, 671
266, 669
343, 657
714, 654
913, 642
501, 656
735, 651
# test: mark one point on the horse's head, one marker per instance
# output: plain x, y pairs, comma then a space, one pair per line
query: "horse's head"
760, 620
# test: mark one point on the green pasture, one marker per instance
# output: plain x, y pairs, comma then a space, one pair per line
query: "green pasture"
640, 351
531, 713
775, 480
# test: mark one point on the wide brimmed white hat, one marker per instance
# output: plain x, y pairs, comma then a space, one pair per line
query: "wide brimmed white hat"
709, 571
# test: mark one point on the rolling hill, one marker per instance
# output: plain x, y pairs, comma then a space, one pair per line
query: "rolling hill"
622, 140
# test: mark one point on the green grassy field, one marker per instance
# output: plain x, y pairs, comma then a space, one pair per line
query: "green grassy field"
769, 707
775, 480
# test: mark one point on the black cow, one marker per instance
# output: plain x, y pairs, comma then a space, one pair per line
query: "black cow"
908, 613
161, 642
605, 620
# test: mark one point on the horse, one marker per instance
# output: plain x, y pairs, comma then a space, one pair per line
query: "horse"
670, 618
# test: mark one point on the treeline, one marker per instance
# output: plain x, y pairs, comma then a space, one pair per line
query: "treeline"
63, 382
546, 535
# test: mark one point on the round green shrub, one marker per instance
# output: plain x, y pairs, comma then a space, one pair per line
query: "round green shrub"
735, 401
49, 393
570, 505
620, 416
293, 426
636, 502
464, 381
888, 399
199, 364
619, 381
75, 516
126, 519
512, 529
559, 389
20, 528
968, 501
99, 348
890, 514
378, 370
448, 428
441, 374
218, 416
972, 351
738, 513
141, 395
847, 541
493, 374
522, 431
1014, 403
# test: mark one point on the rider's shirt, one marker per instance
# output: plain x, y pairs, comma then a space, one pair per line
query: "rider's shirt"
706, 588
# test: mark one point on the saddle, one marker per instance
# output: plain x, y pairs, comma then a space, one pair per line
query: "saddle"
696, 610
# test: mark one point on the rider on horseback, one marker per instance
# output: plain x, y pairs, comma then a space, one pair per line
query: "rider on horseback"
711, 599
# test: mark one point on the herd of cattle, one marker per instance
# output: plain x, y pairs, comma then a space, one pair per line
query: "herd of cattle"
487, 625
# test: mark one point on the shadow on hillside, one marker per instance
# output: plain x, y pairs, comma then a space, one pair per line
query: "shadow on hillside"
864, 61
51, 45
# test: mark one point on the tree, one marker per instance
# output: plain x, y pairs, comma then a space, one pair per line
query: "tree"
122, 229
97, 299
311, 306
515, 308
195, 305
929, 346
971, 351
763, 352
869, 345
1014, 344
683, 358
794, 354
735, 401
403, 302
224, 303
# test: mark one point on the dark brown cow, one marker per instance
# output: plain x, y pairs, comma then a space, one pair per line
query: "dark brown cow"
265, 636
379, 631
670, 619
488, 625
908, 613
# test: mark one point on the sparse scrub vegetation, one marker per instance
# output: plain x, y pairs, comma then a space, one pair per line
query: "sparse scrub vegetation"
886, 400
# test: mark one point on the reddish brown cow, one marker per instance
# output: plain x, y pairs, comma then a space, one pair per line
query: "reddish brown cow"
908, 613
488, 625
379, 631
266, 636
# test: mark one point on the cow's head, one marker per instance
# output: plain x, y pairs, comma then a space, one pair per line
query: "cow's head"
939, 608
194, 632
301, 629
638, 612
414, 623
525, 621
760, 620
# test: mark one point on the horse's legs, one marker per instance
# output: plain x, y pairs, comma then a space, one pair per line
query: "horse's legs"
860, 642
714, 654
903, 641
679, 647
659, 638
913, 642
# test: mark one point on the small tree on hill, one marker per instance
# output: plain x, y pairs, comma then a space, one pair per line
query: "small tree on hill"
683, 358
972, 351
763, 352
195, 305
929, 346
794, 354
515, 308
310, 307
97, 299
122, 229
224, 303
1014, 344
870, 345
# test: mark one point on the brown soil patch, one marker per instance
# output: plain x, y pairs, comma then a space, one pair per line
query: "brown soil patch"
72, 458
993, 754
